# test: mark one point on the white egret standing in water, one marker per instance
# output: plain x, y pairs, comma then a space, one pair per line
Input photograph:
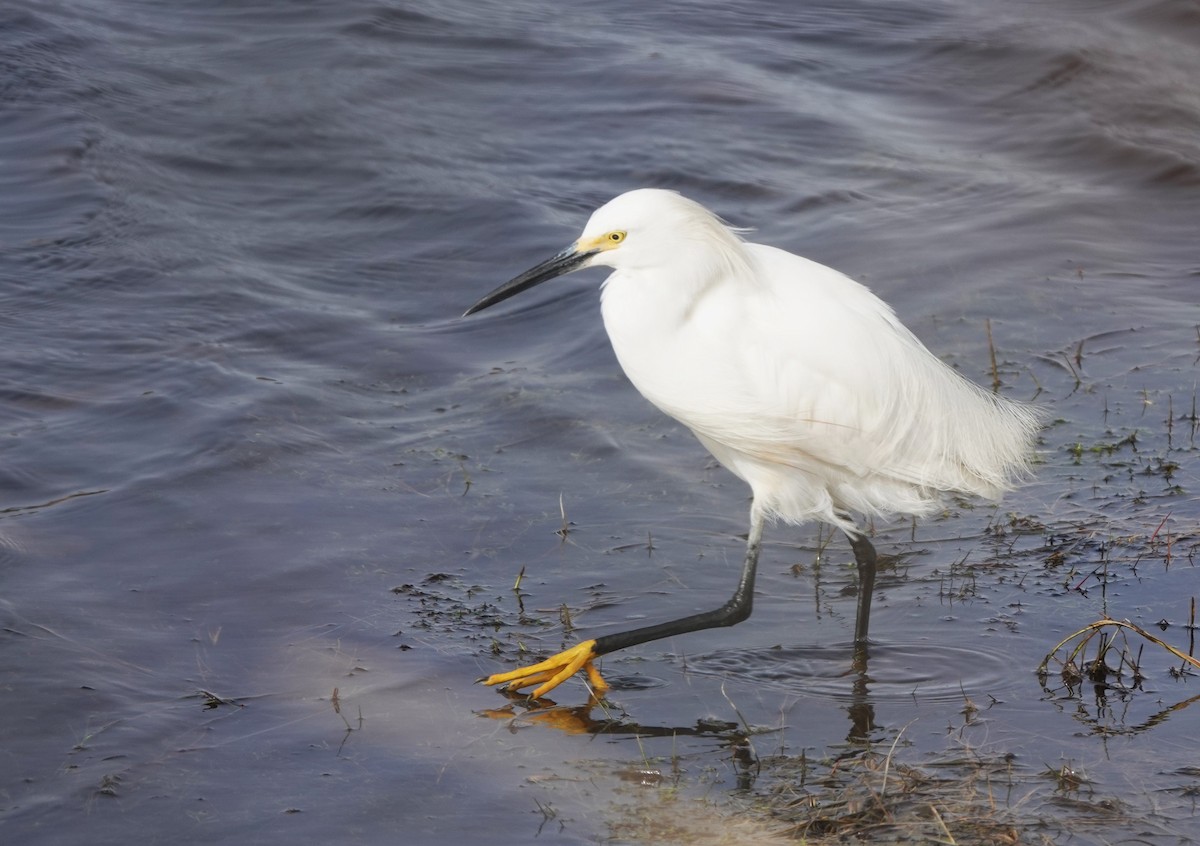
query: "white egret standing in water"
796, 378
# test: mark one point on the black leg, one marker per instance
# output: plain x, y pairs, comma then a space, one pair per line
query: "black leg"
864, 555
732, 612
546, 675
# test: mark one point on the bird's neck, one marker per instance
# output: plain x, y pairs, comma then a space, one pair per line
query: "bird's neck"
667, 296
645, 298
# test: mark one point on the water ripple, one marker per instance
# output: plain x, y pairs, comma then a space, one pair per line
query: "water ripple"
925, 670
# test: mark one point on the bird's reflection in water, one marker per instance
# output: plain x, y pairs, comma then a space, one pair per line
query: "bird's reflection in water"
597, 717
860, 709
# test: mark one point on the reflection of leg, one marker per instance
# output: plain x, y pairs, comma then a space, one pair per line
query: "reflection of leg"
864, 555
861, 710
554, 671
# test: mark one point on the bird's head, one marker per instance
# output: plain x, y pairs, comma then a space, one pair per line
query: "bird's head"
641, 229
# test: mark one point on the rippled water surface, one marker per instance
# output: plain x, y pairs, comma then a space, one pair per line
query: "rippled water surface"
264, 496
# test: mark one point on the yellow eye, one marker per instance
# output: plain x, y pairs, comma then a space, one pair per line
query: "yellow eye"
616, 237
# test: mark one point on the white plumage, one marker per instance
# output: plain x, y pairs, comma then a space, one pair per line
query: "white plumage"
796, 378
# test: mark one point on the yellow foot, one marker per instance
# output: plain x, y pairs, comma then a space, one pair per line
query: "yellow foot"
552, 672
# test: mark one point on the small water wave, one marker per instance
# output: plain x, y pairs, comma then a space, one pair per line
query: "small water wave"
927, 671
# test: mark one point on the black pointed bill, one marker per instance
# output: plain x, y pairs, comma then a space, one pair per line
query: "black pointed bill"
566, 261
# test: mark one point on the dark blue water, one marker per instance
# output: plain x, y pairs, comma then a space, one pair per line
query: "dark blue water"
249, 454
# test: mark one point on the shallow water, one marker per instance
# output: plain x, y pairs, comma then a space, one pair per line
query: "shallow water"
251, 455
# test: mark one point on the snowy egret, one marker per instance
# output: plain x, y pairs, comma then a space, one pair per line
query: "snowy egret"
796, 378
